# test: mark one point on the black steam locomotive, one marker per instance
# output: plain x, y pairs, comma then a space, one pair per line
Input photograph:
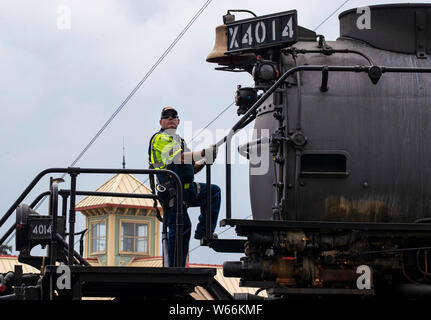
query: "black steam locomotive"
345, 204
340, 182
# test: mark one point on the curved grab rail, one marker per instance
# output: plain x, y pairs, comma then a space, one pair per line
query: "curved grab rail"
244, 149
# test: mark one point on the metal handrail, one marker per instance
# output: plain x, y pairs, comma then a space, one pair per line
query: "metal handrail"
74, 172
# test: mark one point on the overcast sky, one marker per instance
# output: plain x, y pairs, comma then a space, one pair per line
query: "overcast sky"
59, 86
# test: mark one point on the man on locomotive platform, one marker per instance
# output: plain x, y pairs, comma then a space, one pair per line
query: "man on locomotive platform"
167, 150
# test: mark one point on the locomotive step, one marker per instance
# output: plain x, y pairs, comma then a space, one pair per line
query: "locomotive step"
225, 245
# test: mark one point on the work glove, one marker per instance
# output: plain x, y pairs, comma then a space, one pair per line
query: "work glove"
210, 154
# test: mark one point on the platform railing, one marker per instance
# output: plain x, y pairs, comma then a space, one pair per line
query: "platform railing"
73, 192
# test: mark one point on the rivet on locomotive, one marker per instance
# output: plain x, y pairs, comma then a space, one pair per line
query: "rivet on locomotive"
345, 207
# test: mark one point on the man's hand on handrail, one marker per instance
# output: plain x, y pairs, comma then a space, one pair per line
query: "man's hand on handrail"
208, 155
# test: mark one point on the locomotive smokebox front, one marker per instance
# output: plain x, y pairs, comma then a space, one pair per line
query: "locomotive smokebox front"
356, 145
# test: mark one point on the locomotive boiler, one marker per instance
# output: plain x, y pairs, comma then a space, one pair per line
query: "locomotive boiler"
344, 207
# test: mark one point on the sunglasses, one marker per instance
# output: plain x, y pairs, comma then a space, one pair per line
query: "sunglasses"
167, 116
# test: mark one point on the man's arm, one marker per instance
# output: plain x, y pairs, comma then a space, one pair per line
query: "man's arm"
208, 155
191, 157
172, 152
199, 165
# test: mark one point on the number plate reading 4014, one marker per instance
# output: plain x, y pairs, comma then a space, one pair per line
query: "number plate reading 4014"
40, 229
266, 31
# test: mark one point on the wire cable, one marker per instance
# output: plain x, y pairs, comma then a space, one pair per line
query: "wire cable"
167, 51
131, 94
194, 137
330, 15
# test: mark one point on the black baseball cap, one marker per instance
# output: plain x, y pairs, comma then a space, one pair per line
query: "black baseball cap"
169, 111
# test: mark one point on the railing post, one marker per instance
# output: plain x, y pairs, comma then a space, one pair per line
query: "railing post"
165, 249
53, 205
208, 208
81, 242
54, 214
51, 180
72, 214
64, 209
228, 180
179, 221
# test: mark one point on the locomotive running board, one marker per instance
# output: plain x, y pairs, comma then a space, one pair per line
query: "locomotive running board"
273, 288
244, 226
320, 291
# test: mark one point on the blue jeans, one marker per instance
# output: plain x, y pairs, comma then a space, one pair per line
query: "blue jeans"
193, 199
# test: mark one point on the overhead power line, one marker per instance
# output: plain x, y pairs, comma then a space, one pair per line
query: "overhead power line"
327, 18
194, 137
211, 122
131, 94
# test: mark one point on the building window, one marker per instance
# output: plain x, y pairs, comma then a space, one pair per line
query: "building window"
98, 236
134, 237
